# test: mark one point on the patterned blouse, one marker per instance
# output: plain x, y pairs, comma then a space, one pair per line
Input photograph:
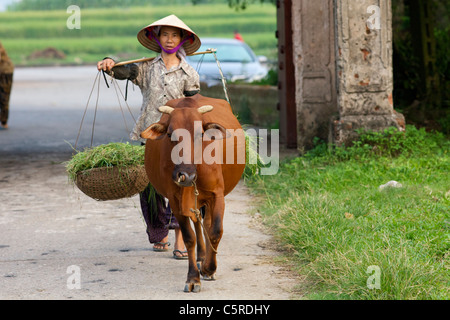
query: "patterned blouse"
158, 85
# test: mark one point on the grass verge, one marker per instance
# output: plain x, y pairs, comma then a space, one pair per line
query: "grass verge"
326, 208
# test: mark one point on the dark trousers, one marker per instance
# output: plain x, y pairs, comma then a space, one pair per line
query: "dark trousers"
157, 215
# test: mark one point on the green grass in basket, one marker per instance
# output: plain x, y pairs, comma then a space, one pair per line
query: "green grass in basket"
106, 155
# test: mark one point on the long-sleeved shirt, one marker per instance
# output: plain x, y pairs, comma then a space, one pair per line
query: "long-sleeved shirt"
158, 85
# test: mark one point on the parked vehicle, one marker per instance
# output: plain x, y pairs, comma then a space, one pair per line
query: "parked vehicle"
237, 61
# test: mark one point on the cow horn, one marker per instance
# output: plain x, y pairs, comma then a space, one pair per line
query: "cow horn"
205, 109
166, 109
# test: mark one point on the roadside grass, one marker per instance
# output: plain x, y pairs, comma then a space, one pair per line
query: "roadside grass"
328, 212
113, 31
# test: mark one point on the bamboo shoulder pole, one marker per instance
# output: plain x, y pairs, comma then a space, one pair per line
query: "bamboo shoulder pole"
150, 59
123, 63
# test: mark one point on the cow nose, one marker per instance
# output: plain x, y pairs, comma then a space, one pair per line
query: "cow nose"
184, 175
186, 180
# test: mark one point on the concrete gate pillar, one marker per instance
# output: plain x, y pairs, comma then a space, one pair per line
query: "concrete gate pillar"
364, 69
315, 71
342, 66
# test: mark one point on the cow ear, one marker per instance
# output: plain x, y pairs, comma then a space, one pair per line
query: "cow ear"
155, 132
216, 131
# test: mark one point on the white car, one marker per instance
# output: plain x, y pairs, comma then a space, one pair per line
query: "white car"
237, 61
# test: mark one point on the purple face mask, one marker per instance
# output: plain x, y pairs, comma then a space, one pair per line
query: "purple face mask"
151, 36
171, 50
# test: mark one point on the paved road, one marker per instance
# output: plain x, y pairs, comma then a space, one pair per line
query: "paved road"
47, 107
48, 227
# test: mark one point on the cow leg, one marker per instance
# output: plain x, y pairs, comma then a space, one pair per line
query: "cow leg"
214, 225
193, 278
201, 251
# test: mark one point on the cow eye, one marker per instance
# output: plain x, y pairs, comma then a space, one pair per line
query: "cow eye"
169, 135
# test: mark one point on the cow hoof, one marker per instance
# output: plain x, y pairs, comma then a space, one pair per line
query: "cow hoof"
211, 277
192, 287
207, 277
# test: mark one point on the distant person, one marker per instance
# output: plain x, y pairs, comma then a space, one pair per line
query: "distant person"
238, 36
6, 79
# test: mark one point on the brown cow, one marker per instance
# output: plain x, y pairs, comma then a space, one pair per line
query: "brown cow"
211, 125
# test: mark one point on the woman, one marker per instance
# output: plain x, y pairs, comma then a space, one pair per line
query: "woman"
166, 77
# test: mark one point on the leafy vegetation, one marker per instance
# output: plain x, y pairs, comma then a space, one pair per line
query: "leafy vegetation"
421, 105
106, 155
327, 210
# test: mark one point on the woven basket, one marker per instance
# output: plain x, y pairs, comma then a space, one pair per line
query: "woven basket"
112, 183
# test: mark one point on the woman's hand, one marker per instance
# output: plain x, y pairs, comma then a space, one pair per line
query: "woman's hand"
106, 65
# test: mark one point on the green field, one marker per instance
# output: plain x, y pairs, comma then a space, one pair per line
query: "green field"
112, 32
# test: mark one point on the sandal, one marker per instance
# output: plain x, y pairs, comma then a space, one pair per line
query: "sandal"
182, 257
163, 244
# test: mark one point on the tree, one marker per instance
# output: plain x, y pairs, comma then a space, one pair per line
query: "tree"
242, 4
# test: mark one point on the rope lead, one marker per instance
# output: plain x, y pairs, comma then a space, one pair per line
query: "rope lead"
196, 211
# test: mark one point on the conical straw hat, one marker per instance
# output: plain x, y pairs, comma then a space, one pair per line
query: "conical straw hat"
146, 38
